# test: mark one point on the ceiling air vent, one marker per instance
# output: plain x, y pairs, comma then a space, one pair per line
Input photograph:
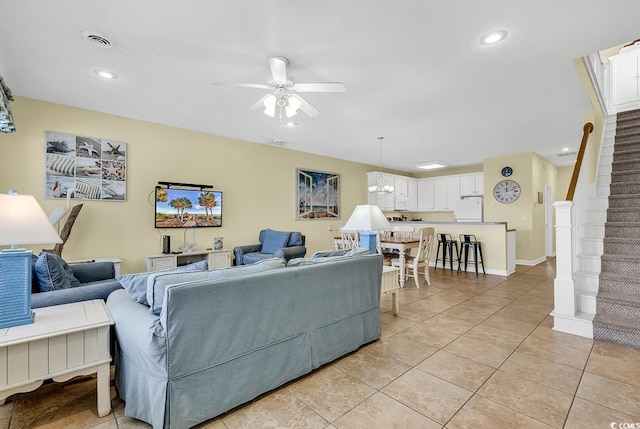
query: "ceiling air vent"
98, 39
565, 154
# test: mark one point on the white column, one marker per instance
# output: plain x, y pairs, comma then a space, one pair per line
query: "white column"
564, 284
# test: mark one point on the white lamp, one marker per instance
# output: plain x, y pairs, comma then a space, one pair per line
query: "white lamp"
366, 219
22, 221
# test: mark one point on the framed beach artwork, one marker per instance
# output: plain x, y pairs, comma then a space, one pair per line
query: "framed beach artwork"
86, 168
317, 195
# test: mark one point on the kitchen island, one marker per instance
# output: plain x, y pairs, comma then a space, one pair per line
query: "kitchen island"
498, 242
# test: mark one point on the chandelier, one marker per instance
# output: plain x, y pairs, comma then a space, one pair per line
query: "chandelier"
380, 187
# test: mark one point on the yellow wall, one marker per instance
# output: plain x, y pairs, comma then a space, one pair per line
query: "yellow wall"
524, 215
258, 182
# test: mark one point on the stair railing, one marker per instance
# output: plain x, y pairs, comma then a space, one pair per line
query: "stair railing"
565, 307
586, 130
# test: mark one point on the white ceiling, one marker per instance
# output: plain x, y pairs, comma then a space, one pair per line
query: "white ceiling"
415, 71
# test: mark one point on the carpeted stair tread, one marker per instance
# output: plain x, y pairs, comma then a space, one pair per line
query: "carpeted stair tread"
622, 323
617, 316
620, 245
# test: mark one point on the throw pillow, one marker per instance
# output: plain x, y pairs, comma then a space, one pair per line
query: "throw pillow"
53, 273
159, 281
274, 240
328, 253
136, 284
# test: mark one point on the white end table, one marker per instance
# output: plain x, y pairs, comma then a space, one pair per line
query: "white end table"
390, 276
64, 341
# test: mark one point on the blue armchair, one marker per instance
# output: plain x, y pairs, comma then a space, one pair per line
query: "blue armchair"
273, 244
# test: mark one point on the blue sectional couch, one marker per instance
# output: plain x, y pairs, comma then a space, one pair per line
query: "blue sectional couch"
96, 280
210, 341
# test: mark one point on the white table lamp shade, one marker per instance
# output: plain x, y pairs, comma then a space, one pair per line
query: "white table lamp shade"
367, 218
22, 222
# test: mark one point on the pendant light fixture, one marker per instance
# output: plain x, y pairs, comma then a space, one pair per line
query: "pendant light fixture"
380, 187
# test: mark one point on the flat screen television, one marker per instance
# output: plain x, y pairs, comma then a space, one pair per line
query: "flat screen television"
187, 208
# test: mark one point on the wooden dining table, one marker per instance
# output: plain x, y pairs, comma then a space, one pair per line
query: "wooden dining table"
401, 245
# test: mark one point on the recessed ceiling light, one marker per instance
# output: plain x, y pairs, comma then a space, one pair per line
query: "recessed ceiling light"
106, 74
566, 149
431, 165
290, 124
493, 37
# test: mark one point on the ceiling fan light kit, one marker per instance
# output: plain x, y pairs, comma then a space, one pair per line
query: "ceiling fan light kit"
283, 92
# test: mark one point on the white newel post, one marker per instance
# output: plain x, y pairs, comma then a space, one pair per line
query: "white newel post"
564, 284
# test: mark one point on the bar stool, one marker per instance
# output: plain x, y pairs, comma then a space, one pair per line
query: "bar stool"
447, 243
469, 242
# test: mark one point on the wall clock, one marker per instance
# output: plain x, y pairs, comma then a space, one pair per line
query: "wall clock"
506, 191
507, 171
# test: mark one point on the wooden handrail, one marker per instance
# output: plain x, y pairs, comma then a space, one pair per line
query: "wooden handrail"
587, 129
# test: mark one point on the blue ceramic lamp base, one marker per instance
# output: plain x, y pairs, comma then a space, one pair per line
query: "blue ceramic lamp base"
368, 240
15, 288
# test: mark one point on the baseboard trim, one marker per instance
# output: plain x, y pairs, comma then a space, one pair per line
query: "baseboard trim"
531, 262
581, 324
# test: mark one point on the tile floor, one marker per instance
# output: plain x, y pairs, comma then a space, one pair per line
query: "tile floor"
466, 352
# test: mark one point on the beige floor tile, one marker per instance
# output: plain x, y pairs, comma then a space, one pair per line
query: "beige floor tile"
211, 424
547, 333
382, 412
429, 335
609, 393
373, 368
543, 371
479, 351
616, 351
470, 314
483, 413
403, 349
502, 293
331, 392
499, 337
511, 325
5, 413
435, 398
458, 370
519, 314
417, 311
280, 409
438, 305
554, 352
59, 405
535, 400
585, 414
614, 367
457, 326
393, 324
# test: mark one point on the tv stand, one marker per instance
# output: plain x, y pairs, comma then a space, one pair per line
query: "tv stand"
220, 258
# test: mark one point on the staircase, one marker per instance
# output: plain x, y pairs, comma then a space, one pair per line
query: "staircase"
617, 317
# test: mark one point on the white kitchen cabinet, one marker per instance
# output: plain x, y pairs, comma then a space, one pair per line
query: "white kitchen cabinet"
413, 194
472, 184
401, 186
425, 194
446, 193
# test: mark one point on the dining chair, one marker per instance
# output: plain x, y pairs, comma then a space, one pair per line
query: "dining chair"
350, 239
335, 236
421, 260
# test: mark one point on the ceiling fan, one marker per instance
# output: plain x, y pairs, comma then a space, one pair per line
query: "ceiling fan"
283, 91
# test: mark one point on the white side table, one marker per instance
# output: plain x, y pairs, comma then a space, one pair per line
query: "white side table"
64, 341
390, 285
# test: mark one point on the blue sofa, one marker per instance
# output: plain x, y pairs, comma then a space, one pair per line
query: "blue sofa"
273, 244
97, 281
220, 338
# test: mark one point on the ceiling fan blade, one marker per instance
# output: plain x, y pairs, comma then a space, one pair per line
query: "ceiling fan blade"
278, 69
305, 106
242, 85
320, 87
259, 104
